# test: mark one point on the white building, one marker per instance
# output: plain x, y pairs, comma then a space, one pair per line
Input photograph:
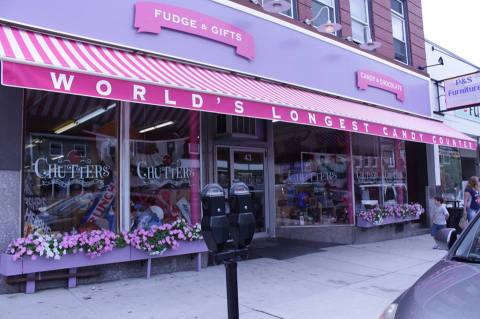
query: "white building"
452, 166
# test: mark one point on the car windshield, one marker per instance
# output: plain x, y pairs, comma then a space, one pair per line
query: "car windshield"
469, 248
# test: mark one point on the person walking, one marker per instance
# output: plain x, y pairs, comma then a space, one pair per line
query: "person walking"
439, 218
471, 198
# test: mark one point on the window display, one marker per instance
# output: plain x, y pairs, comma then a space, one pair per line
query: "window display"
451, 173
367, 171
70, 161
394, 171
164, 166
380, 175
312, 169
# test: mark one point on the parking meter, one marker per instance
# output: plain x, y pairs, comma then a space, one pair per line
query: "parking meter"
241, 218
215, 225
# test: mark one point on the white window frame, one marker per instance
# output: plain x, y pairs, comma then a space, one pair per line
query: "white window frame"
249, 121
366, 25
56, 144
81, 146
292, 10
404, 24
331, 4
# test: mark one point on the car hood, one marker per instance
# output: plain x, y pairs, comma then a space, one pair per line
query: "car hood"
450, 289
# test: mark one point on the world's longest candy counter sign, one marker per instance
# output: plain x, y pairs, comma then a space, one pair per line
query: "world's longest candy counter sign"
40, 78
151, 17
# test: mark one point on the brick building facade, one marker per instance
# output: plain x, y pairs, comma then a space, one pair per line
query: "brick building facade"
379, 21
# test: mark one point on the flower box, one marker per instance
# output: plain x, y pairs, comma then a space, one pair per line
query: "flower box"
25, 265
77, 260
386, 221
9, 267
28, 255
389, 214
184, 248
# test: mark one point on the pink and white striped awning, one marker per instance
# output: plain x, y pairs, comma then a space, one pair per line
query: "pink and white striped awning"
45, 62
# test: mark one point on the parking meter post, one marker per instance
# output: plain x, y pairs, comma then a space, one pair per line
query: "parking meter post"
217, 227
232, 289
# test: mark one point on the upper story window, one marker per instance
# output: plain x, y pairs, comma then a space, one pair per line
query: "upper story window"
290, 12
359, 12
239, 126
399, 31
244, 125
326, 14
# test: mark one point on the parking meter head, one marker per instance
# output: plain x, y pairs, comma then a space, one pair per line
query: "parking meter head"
215, 232
239, 198
241, 218
213, 200
246, 229
215, 224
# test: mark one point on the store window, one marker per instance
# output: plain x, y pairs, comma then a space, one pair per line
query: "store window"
164, 165
312, 176
70, 163
451, 173
380, 172
328, 14
359, 12
399, 30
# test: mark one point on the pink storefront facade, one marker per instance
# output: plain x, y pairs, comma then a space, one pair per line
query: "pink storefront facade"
125, 119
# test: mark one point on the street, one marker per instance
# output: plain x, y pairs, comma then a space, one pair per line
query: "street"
351, 281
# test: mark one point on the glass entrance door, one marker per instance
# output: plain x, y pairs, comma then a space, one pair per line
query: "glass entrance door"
247, 166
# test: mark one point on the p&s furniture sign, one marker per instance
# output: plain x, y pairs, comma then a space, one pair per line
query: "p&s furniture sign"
462, 91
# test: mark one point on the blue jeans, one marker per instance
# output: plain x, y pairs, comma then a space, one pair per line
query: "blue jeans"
435, 228
471, 214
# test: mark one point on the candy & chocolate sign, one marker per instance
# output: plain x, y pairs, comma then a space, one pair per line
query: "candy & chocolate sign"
366, 78
150, 17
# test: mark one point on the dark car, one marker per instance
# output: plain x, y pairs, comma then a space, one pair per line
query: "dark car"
451, 288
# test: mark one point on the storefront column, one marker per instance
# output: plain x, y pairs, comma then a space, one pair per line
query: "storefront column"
124, 170
351, 182
270, 208
433, 165
477, 158
10, 164
434, 181
207, 147
195, 180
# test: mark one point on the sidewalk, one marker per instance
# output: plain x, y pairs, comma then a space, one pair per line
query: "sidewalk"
353, 281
